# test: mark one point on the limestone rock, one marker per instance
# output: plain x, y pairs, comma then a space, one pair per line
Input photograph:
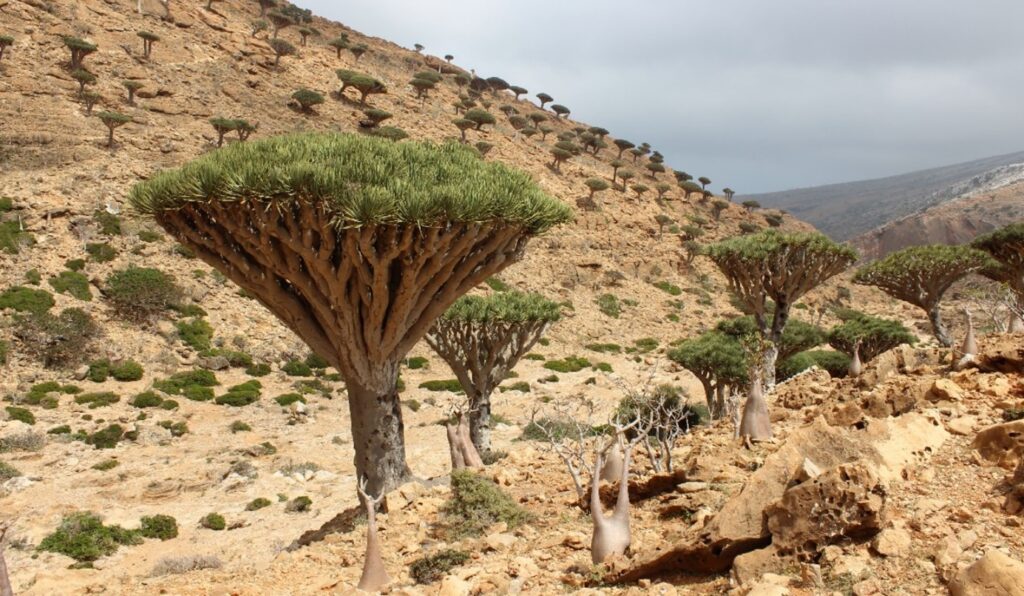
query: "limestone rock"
891, 542
845, 502
454, 586
995, 574
1015, 497
1004, 353
945, 390
962, 426
1002, 444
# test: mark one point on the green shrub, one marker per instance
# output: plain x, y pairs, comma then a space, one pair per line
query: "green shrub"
168, 404
604, 348
239, 427
21, 414
521, 387
163, 527
412, 404
7, 471
83, 537
258, 370
213, 521
416, 362
195, 333
97, 400
4, 351
106, 465
665, 286
99, 370
307, 98
109, 224
127, 370
497, 285
836, 363
288, 399
476, 504
177, 429
297, 368
197, 393
451, 385
257, 504
569, 364
13, 238
609, 305
26, 441
73, 283
299, 505
33, 277
241, 395
147, 399
148, 236
316, 362
100, 252
1013, 414
6, 204
59, 341
177, 383
63, 429
603, 367
646, 344
26, 300
432, 568
140, 293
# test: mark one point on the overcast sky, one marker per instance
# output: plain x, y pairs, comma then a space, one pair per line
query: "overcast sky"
758, 95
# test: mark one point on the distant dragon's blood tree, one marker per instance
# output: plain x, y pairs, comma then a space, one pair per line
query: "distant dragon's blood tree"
281, 48
6, 41
448, 58
482, 339
1006, 247
868, 336
223, 126
148, 39
132, 87
661, 188
623, 146
626, 176
90, 99
682, 177
266, 4
463, 125
690, 187
480, 117
640, 189
339, 43
483, 147
113, 121
717, 207
364, 84
517, 90
358, 50
357, 244
79, 50
305, 32
560, 110
279, 20
596, 185
920, 275
704, 182
718, 361
373, 117
729, 193
497, 84
544, 99
307, 98
83, 77
778, 267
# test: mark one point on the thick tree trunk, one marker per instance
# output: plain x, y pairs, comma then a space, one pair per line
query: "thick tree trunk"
938, 327
5, 580
719, 400
480, 421
769, 357
611, 534
756, 424
378, 436
375, 575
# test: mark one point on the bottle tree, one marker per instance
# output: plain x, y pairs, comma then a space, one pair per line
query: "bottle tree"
1006, 247
357, 244
775, 267
920, 275
482, 339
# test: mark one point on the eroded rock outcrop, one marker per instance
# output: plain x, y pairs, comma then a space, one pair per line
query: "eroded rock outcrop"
995, 574
1002, 444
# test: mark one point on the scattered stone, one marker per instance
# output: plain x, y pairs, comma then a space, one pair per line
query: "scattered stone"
1001, 444
995, 574
891, 542
945, 390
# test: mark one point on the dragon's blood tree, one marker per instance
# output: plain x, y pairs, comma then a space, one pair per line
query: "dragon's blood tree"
357, 244
776, 267
920, 275
1006, 246
482, 339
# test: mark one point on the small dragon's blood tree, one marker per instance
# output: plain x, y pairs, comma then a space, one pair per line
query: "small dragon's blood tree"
482, 339
1006, 246
357, 244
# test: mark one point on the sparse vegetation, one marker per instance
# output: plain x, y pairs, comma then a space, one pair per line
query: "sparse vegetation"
432, 568
83, 537
476, 504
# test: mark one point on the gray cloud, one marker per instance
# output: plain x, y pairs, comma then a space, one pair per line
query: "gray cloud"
756, 95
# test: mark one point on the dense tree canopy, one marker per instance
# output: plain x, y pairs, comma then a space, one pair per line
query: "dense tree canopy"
1006, 247
875, 335
718, 360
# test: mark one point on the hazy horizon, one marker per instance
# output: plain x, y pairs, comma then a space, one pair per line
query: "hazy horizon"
788, 95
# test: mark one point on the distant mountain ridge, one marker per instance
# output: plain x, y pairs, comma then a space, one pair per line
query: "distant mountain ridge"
849, 210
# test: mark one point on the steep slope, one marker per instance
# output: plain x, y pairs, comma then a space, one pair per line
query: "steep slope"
954, 222
848, 210
59, 173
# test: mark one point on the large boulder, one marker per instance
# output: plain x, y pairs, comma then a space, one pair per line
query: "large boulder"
846, 502
1015, 496
901, 360
1004, 353
995, 574
1002, 444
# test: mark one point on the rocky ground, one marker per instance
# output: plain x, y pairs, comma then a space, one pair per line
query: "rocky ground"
58, 173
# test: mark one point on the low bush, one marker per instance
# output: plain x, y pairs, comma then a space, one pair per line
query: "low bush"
83, 537
257, 504
185, 564
177, 429
21, 414
108, 438
604, 348
97, 400
476, 504
26, 441
7, 471
127, 370
297, 368
668, 288
416, 363
451, 385
609, 305
288, 399
239, 427
72, 283
299, 505
521, 387
213, 521
140, 293
100, 252
432, 568
646, 344
162, 527
178, 382
106, 465
58, 340
569, 364
195, 333
147, 399
108, 223
26, 300
259, 369
241, 395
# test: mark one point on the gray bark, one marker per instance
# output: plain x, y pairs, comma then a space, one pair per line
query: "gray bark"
378, 435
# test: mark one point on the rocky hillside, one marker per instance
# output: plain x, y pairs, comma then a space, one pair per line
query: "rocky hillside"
866, 209
954, 222
258, 434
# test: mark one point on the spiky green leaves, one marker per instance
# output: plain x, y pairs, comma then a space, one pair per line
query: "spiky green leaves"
79, 49
714, 355
480, 117
360, 181
507, 307
921, 274
307, 98
874, 334
1006, 246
